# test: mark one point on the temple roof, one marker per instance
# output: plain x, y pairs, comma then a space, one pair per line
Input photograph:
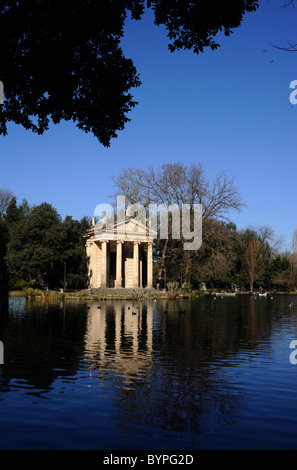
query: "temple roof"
131, 229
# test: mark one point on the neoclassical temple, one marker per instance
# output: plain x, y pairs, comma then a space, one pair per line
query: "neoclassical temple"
120, 256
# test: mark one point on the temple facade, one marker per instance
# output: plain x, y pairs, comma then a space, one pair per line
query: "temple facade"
120, 256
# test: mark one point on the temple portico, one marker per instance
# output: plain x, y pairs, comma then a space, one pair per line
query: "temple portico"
121, 256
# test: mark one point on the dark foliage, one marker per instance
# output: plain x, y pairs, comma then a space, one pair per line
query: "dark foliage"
41, 245
62, 60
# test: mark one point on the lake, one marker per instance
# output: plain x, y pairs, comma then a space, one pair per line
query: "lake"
166, 374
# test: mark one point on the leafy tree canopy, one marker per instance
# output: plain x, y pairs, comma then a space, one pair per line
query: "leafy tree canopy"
40, 243
62, 60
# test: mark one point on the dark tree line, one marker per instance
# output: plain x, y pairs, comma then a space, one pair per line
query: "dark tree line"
228, 258
37, 246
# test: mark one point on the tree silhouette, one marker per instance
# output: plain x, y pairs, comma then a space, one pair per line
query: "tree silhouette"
62, 60
254, 262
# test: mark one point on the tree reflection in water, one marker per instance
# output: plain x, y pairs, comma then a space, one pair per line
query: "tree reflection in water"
125, 374
161, 365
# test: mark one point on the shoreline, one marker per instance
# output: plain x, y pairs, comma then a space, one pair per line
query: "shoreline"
122, 294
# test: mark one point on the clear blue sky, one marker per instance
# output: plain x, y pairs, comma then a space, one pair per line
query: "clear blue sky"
228, 109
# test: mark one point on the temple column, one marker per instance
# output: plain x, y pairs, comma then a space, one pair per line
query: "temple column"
93, 259
150, 265
89, 261
118, 327
135, 264
140, 265
119, 280
104, 263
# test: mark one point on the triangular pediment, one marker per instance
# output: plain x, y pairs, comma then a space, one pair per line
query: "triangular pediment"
130, 229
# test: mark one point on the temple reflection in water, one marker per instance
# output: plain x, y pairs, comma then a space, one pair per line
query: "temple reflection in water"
121, 332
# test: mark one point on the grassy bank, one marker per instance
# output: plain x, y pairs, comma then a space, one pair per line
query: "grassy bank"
87, 295
104, 294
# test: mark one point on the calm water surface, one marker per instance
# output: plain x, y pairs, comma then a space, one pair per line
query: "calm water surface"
144, 375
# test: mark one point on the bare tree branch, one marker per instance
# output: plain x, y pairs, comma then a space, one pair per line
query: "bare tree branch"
5, 198
291, 48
